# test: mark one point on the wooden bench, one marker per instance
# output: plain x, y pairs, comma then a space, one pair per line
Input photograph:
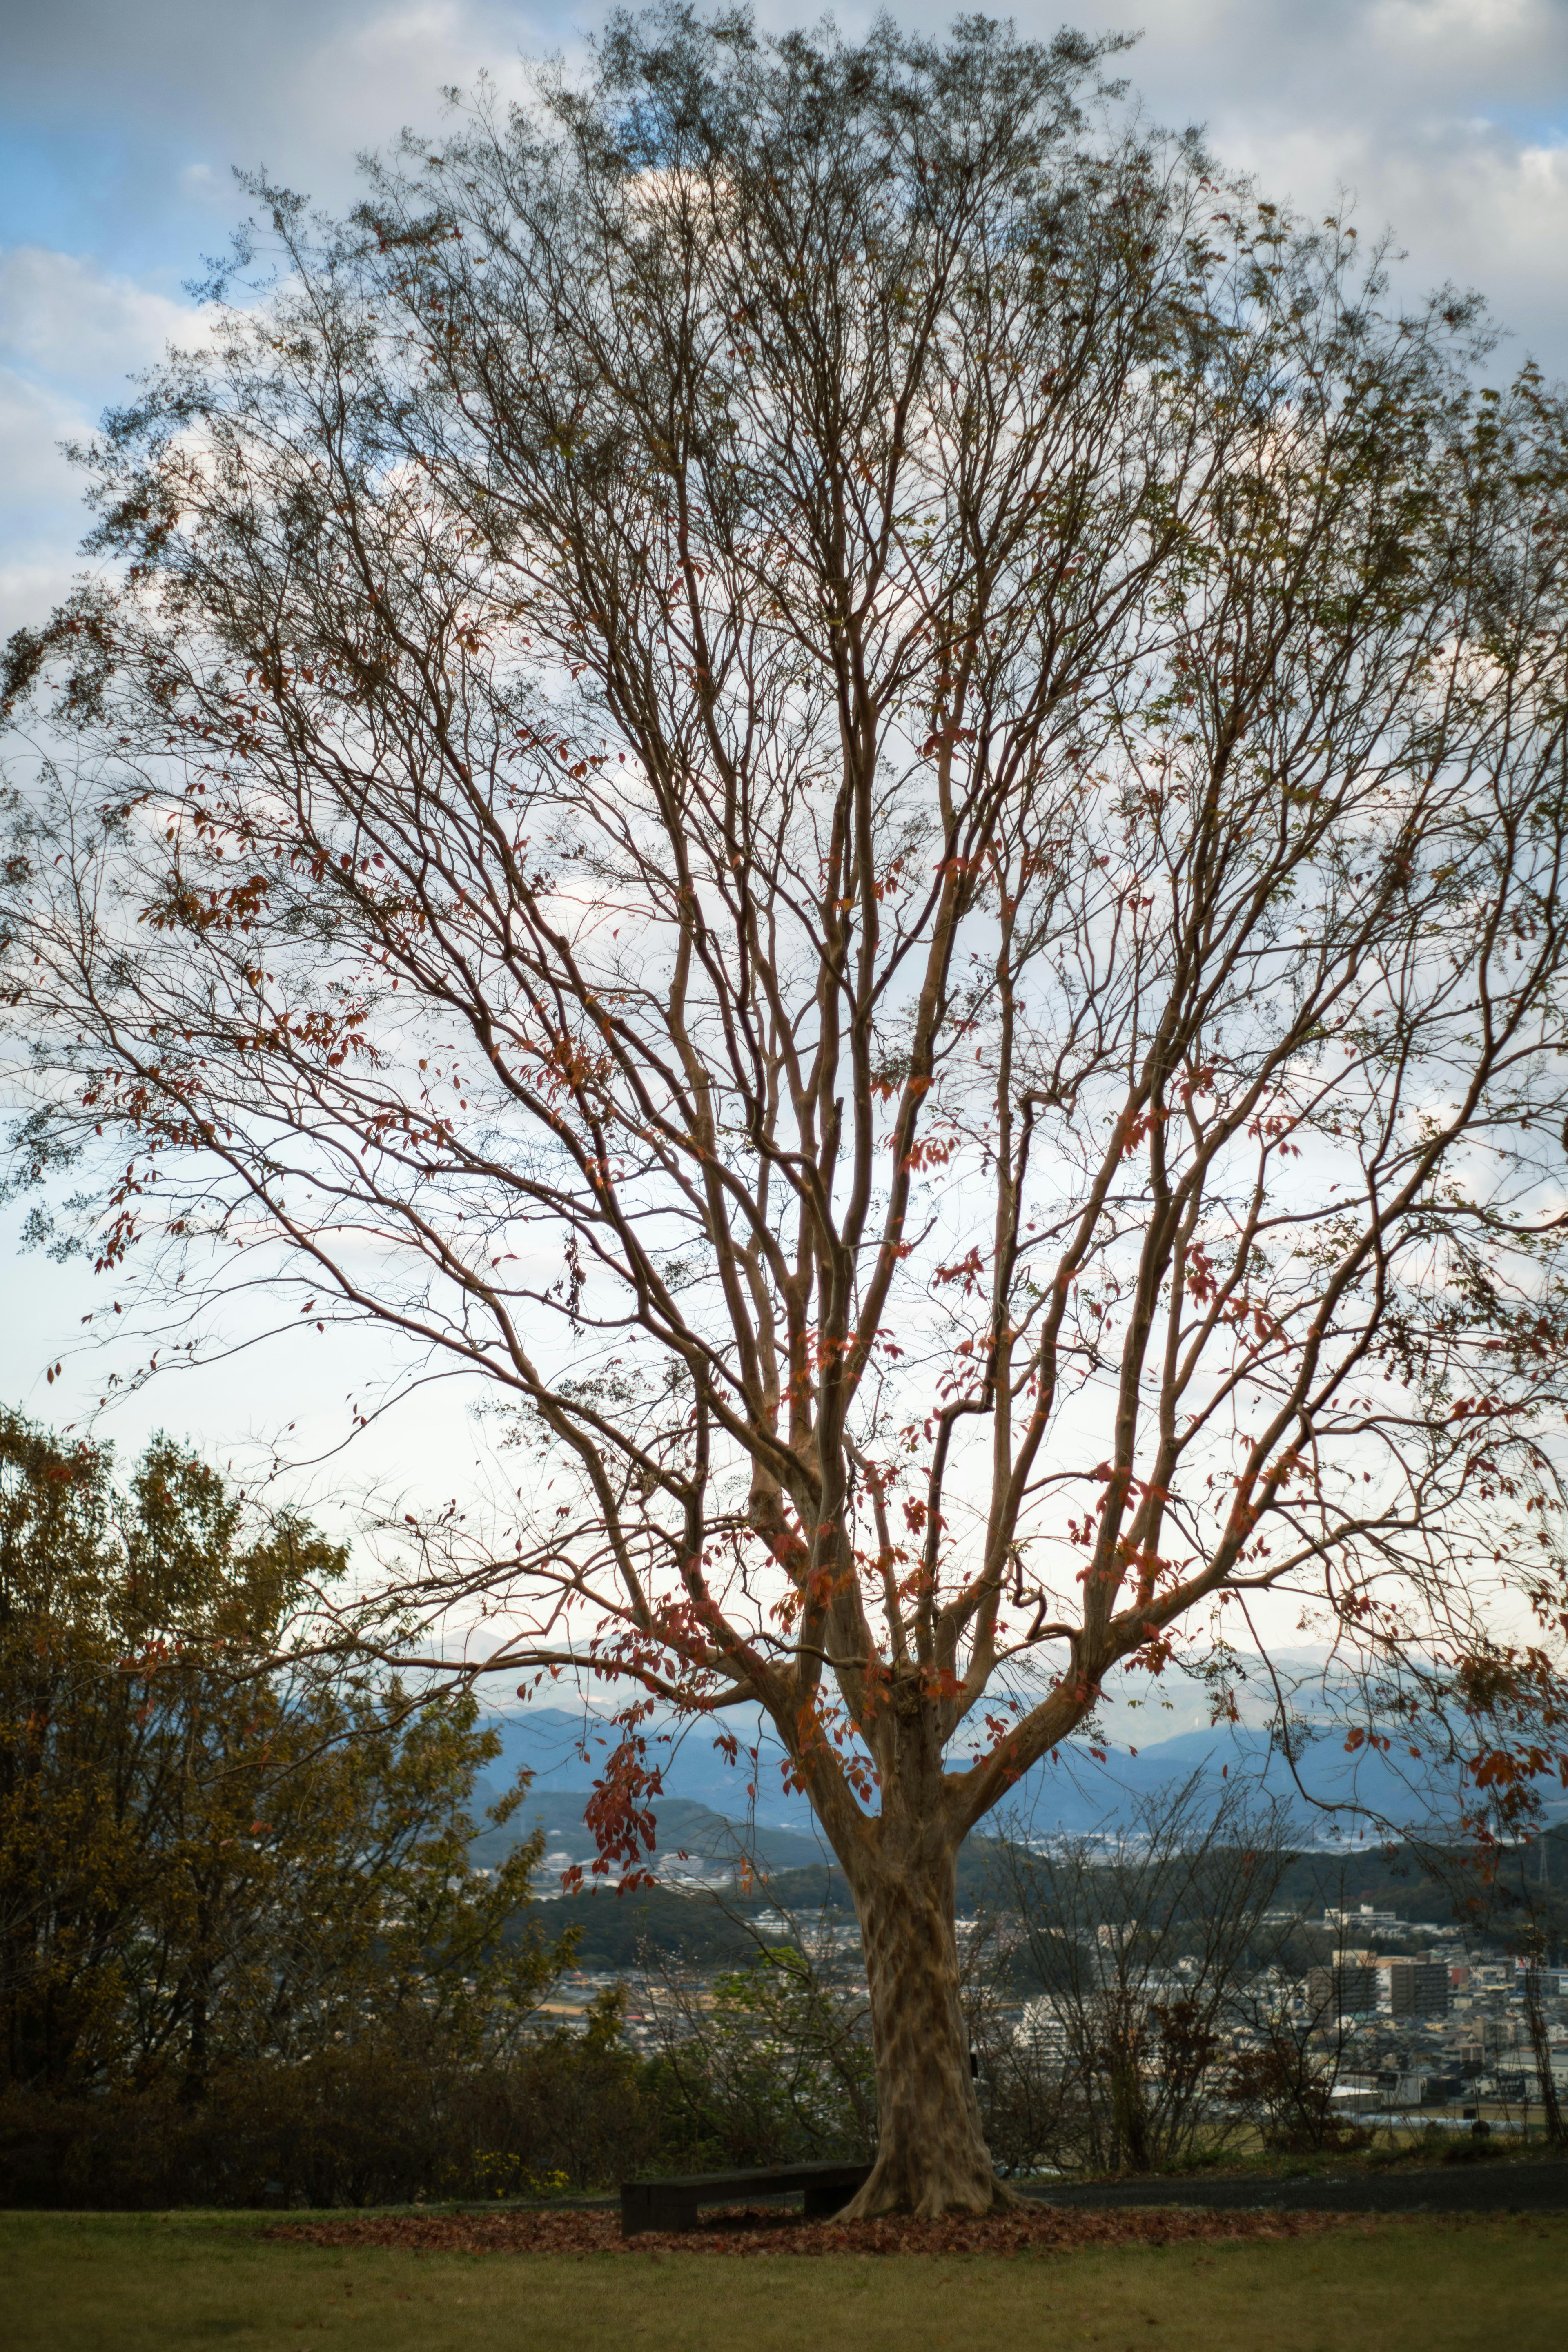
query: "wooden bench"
671, 2203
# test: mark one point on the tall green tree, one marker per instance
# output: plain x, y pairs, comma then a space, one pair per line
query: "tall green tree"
207, 1856
845, 776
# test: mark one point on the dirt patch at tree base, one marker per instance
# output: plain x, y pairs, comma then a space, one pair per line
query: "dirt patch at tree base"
743, 2231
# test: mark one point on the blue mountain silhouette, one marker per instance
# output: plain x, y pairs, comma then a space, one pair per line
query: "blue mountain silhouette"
1071, 1792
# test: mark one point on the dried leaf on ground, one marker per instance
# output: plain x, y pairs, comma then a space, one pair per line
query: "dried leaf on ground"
740, 2230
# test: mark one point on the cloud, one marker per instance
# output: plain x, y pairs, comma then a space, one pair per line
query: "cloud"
68, 319
1448, 118
1444, 120
71, 333
32, 421
204, 185
172, 93
1452, 38
40, 498
30, 591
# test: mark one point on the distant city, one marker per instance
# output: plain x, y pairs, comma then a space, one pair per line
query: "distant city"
1412, 2018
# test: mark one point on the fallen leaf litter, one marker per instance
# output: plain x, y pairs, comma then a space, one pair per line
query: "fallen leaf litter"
741, 2231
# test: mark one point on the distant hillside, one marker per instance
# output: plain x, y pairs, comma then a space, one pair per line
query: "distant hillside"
693, 1839
704, 1932
618, 1932
566, 1751
706, 1812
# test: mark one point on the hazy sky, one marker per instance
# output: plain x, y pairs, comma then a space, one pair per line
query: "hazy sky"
119, 124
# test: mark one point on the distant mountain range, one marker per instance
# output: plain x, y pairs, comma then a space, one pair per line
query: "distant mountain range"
696, 1844
706, 1813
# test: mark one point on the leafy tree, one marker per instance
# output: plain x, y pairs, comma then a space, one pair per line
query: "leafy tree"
1142, 1946
1510, 1893
1288, 2056
770, 2063
858, 784
207, 1858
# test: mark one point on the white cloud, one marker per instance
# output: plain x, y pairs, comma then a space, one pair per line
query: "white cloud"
1444, 120
1460, 35
204, 185
33, 421
41, 517
71, 333
30, 591
65, 318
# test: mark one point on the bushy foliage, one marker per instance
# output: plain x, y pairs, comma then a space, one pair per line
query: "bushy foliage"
366, 2122
1139, 1946
772, 2065
209, 1861
1284, 2087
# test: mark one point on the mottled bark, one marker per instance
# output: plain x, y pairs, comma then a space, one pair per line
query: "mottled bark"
931, 2156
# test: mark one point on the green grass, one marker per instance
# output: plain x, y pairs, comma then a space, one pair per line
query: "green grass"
187, 2282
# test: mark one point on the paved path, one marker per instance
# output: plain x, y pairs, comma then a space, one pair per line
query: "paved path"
1497, 2188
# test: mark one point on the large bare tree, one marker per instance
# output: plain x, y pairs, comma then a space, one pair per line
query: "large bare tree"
841, 774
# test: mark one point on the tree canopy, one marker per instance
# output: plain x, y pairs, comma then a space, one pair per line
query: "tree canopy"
857, 782
205, 1860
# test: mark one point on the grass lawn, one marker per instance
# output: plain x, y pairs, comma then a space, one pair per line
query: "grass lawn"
193, 2283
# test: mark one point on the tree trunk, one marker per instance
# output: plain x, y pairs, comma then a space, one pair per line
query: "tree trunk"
931, 2156
1540, 2045
194, 2083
